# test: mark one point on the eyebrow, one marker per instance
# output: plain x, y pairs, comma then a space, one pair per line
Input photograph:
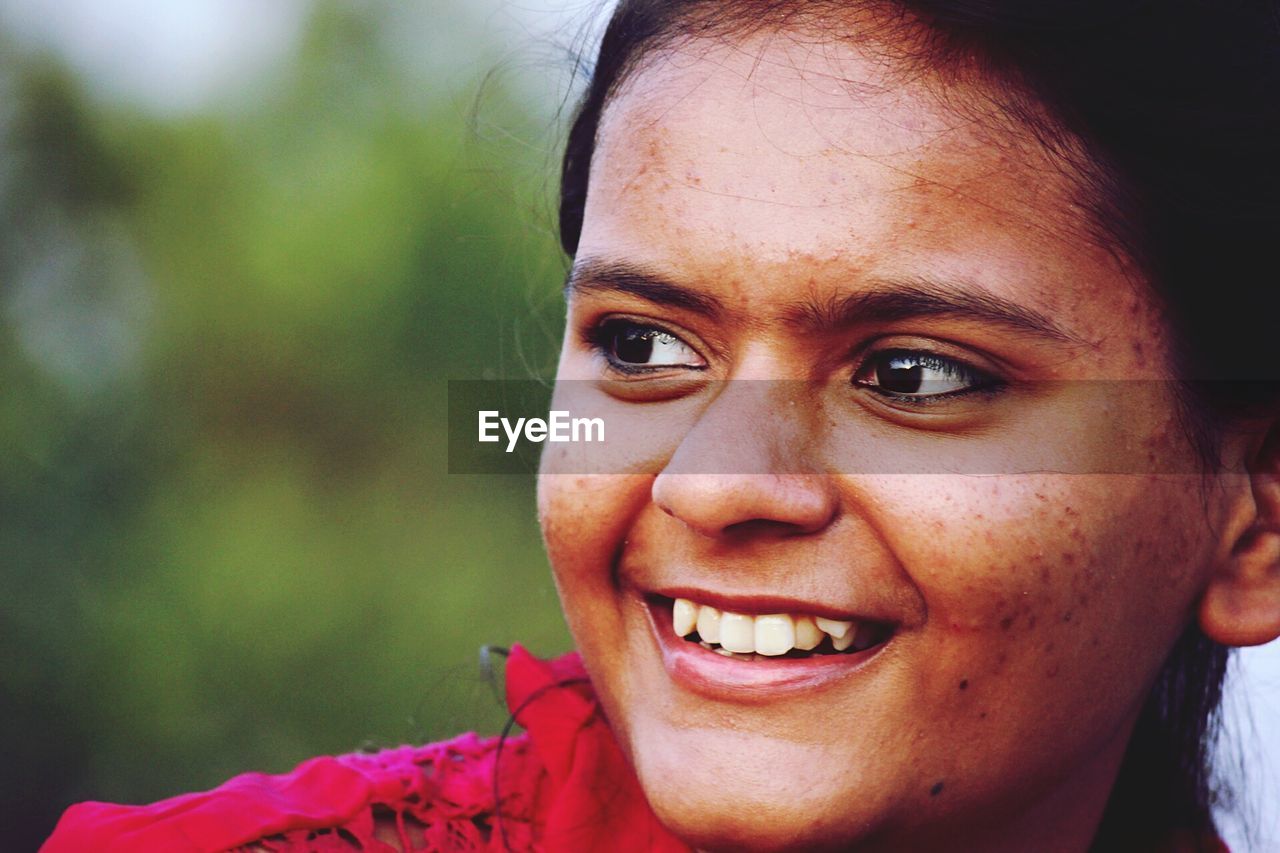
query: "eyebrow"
885, 301
593, 275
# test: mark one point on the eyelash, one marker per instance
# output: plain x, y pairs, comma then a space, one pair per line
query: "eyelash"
975, 381
604, 338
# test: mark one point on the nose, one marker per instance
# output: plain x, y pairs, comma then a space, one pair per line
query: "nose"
746, 466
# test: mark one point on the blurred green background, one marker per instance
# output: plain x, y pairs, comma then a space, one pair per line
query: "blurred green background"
229, 305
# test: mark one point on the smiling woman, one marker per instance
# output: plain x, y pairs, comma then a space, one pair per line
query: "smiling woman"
943, 466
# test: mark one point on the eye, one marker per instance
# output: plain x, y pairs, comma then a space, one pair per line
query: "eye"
630, 346
921, 376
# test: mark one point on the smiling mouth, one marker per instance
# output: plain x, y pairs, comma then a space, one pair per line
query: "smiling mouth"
770, 636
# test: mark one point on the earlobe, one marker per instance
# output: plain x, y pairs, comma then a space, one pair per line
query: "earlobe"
1241, 604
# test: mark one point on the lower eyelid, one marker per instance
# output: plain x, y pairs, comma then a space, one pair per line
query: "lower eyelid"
989, 389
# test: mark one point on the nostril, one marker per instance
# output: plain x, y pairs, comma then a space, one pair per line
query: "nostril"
765, 528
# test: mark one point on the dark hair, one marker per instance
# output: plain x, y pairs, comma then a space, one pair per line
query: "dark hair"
1177, 106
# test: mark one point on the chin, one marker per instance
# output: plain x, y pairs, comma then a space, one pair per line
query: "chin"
721, 823
733, 791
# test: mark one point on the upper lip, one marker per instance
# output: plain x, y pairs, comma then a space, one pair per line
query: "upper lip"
758, 604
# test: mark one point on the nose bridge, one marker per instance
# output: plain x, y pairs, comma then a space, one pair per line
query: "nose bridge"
751, 456
752, 426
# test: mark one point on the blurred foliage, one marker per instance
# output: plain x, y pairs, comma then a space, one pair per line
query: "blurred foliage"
228, 539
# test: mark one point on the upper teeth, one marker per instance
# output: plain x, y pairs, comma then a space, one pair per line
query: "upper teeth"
770, 634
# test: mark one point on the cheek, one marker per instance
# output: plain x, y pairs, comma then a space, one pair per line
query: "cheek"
571, 530
584, 519
1075, 578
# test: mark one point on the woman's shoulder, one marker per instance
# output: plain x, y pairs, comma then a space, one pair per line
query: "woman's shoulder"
437, 796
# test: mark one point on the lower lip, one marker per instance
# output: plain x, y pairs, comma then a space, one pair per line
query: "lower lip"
716, 676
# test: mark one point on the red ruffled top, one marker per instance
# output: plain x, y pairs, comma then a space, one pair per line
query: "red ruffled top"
563, 785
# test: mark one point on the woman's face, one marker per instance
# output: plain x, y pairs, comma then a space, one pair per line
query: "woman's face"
858, 358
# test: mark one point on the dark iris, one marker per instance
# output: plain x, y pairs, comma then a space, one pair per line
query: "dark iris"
633, 344
900, 375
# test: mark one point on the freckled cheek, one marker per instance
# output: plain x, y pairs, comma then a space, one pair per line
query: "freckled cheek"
1003, 559
577, 549
584, 520
559, 504
1050, 589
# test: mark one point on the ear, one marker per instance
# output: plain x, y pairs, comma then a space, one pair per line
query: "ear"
1241, 604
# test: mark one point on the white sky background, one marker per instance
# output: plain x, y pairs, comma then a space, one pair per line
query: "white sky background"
177, 56
1252, 710
180, 56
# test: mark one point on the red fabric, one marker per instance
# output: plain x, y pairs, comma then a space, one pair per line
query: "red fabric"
563, 786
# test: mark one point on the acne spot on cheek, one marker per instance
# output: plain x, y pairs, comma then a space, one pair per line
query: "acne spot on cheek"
964, 684
936, 789
1006, 623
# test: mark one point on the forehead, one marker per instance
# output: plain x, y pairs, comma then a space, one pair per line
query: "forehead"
758, 153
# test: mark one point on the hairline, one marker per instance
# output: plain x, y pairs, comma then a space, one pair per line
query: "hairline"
917, 52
